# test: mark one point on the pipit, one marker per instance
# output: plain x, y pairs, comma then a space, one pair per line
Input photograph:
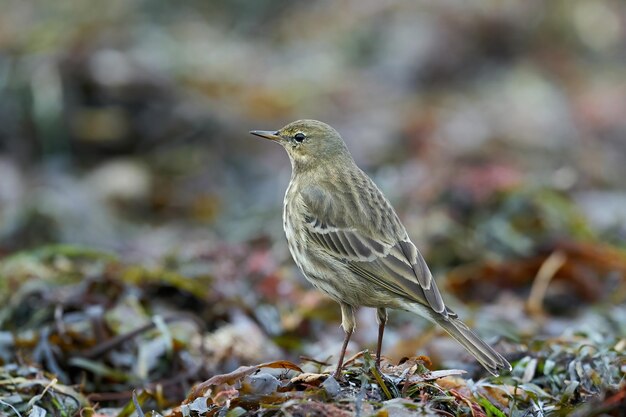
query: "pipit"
349, 242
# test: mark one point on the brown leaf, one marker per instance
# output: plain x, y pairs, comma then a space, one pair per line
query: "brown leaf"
229, 378
584, 271
499, 394
235, 376
476, 410
281, 364
309, 378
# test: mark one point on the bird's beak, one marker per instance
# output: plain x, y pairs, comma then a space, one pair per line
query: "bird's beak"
267, 134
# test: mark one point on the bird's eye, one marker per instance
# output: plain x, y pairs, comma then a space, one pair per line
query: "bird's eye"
299, 137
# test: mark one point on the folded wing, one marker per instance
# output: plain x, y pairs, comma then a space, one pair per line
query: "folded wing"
373, 247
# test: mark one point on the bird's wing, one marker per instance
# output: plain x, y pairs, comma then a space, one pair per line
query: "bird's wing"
363, 231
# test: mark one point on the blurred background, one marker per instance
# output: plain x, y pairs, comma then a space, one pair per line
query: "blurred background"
122, 126
496, 128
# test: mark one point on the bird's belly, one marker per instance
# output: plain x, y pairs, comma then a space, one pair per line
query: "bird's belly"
333, 277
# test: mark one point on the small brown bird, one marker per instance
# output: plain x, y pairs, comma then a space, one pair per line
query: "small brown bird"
349, 242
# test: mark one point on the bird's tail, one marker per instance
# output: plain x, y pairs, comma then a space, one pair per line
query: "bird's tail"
489, 358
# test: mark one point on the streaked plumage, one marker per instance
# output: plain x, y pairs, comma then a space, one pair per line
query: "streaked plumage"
349, 242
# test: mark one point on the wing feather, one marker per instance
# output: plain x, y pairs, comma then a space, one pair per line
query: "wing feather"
389, 260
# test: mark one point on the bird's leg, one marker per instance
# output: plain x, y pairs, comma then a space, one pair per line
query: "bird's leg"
348, 323
381, 318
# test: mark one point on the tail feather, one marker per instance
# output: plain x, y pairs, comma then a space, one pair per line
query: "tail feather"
489, 358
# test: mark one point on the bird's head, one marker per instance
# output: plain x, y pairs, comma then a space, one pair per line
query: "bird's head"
308, 142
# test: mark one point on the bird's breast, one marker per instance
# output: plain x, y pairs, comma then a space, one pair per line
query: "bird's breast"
294, 228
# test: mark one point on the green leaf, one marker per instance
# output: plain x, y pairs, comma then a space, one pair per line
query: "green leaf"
236, 412
491, 409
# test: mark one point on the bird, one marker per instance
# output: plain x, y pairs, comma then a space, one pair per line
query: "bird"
348, 241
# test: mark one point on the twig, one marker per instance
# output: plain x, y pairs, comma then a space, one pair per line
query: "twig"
138, 409
546, 272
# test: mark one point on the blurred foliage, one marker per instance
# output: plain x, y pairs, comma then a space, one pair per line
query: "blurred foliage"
574, 370
495, 128
91, 320
25, 389
86, 318
510, 224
